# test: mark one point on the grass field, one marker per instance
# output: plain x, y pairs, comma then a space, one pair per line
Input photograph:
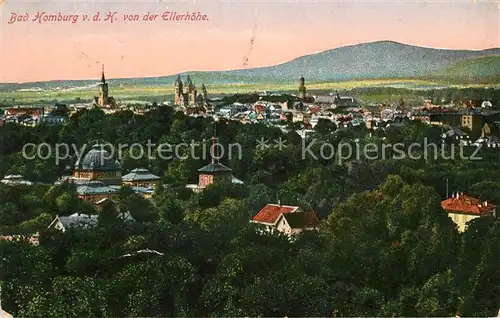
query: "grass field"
163, 93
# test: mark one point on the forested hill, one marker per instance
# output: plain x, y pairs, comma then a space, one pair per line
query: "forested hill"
376, 60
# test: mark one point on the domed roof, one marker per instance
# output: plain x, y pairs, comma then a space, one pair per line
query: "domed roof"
98, 159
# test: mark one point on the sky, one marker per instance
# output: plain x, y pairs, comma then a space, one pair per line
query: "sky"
237, 34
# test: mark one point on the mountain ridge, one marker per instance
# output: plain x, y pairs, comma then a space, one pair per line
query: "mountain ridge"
371, 60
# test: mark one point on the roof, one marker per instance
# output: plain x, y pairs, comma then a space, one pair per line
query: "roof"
98, 159
215, 167
15, 180
14, 177
86, 220
143, 190
468, 205
78, 220
95, 187
488, 140
271, 212
454, 132
324, 99
140, 174
301, 220
235, 180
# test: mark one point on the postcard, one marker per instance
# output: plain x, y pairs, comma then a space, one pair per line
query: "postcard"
241, 158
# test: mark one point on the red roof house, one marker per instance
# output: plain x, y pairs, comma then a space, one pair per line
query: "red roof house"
286, 219
462, 208
271, 212
462, 203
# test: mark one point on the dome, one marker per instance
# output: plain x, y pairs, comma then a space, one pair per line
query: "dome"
98, 159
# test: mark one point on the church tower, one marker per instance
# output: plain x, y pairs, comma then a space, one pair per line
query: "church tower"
188, 88
178, 90
302, 88
204, 92
103, 90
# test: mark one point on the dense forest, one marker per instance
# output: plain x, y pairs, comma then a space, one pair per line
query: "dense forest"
384, 247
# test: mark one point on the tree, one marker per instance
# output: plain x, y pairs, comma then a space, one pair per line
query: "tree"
140, 208
325, 127
171, 211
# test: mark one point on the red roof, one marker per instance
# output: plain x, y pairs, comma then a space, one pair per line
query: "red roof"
468, 205
271, 212
308, 99
22, 110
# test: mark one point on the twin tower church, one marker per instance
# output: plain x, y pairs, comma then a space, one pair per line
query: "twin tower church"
185, 95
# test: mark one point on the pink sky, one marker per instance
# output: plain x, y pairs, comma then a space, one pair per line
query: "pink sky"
283, 30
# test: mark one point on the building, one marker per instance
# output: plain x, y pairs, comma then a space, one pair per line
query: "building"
82, 221
98, 177
95, 191
455, 135
290, 220
487, 139
53, 119
31, 239
15, 179
35, 112
345, 101
302, 88
76, 220
98, 165
186, 95
462, 209
140, 177
104, 100
214, 173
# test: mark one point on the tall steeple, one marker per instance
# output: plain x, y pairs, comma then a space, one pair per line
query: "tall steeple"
103, 79
178, 90
103, 99
178, 80
302, 88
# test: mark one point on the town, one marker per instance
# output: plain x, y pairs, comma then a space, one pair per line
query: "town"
112, 228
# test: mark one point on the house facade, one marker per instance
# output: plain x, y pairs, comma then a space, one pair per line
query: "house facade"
462, 208
140, 177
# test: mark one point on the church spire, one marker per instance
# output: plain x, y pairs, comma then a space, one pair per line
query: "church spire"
103, 79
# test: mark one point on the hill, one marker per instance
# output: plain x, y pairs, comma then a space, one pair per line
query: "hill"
478, 69
375, 60
384, 59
